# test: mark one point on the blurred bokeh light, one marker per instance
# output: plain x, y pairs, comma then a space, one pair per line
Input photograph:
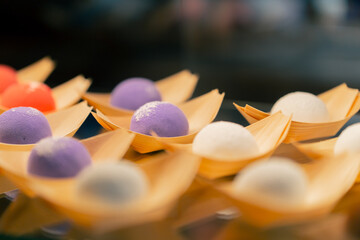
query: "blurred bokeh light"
252, 49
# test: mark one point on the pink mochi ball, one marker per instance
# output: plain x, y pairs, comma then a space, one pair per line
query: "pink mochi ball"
58, 158
162, 118
23, 125
133, 93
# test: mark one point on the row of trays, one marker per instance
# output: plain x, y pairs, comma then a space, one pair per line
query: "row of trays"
176, 173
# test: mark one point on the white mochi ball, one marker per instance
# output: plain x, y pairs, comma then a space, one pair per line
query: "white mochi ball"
349, 140
225, 141
112, 183
305, 107
277, 182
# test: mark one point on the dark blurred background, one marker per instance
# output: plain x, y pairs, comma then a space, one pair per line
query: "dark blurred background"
254, 50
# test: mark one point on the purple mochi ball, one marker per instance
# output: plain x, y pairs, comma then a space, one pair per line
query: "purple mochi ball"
133, 93
58, 158
23, 125
162, 118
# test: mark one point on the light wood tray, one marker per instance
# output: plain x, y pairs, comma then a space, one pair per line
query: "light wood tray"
199, 111
342, 103
66, 94
37, 72
59, 194
269, 134
328, 183
175, 89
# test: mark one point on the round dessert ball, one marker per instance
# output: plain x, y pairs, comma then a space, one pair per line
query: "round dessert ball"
278, 182
7, 77
36, 95
133, 93
304, 107
58, 158
23, 125
225, 141
349, 140
112, 183
162, 118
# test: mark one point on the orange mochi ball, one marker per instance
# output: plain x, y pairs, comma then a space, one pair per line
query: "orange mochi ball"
7, 77
33, 94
